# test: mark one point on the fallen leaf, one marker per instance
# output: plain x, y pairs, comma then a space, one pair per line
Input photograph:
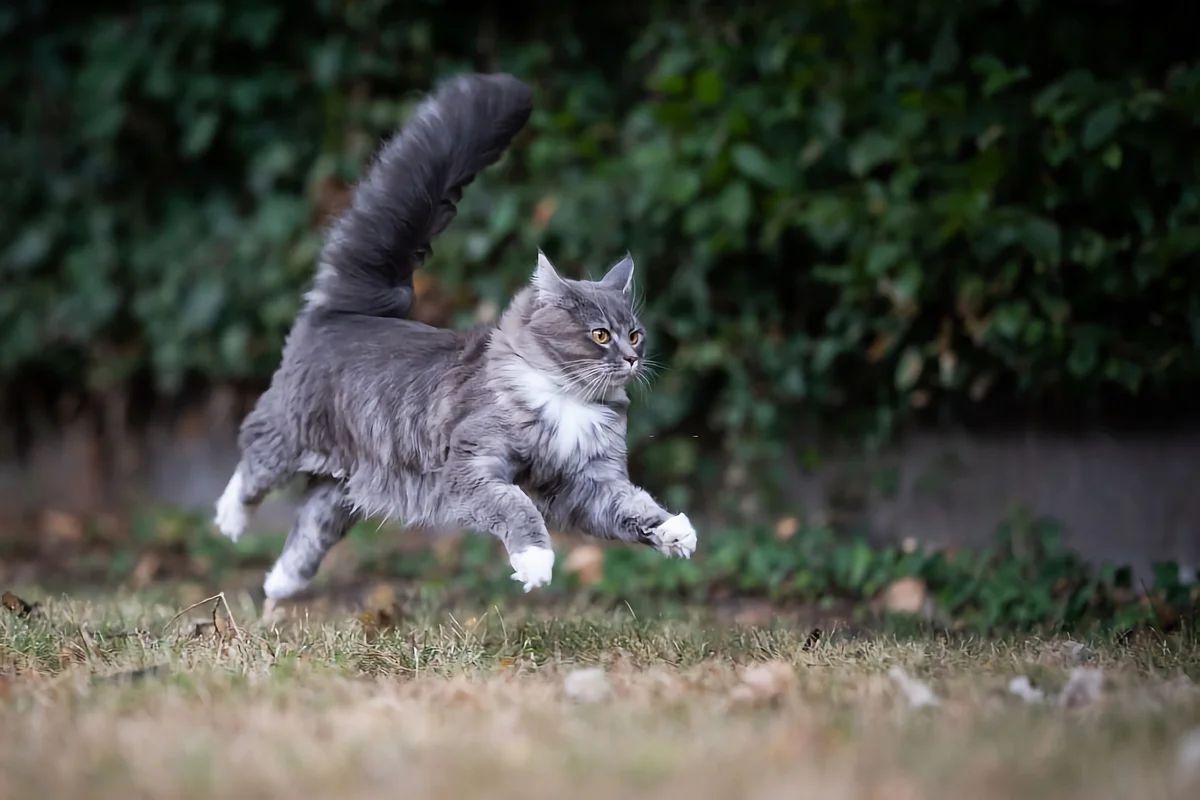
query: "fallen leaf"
507, 663
587, 685
1083, 688
905, 596
1023, 688
382, 610
146, 569
18, 606
544, 211
59, 527
918, 693
587, 562
786, 528
880, 347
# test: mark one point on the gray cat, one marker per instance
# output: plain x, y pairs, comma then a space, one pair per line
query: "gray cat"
499, 429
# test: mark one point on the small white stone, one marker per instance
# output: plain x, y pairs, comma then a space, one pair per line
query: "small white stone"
587, 685
919, 695
1024, 689
1188, 756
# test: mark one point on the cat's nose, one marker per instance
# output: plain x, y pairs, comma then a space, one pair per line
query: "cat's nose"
632, 361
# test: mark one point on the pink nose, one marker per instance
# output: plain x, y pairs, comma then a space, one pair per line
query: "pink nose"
632, 361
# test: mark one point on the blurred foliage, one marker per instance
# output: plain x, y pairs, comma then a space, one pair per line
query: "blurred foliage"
857, 210
1027, 580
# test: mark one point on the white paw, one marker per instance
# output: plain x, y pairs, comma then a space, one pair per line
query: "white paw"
231, 516
676, 537
280, 585
532, 567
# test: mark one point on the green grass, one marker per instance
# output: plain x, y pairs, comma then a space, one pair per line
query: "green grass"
107, 697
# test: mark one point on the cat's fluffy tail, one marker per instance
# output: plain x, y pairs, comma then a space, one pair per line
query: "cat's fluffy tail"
409, 194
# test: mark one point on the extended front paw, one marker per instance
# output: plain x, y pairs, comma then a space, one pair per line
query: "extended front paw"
676, 537
533, 566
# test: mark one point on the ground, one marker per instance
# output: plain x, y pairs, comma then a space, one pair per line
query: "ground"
109, 696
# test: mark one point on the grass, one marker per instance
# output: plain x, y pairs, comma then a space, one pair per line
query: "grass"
108, 697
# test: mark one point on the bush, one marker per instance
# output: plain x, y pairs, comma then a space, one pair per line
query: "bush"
855, 210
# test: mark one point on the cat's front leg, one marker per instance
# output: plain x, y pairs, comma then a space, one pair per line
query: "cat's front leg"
606, 504
481, 499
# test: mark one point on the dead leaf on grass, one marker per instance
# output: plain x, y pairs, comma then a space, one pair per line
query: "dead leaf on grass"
145, 571
905, 596
786, 528
587, 562
18, 606
382, 611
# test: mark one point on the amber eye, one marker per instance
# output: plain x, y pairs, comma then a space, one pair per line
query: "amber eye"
601, 336
635, 337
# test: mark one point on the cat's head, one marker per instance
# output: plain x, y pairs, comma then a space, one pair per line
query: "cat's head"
588, 330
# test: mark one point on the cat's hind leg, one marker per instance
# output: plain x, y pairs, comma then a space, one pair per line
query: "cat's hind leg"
322, 520
269, 459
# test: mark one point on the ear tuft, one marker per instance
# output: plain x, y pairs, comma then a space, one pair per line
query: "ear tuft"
546, 280
620, 277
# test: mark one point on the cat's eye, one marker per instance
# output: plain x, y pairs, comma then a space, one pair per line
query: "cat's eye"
601, 336
635, 337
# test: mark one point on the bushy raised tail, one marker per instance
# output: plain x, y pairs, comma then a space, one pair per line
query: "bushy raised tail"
409, 194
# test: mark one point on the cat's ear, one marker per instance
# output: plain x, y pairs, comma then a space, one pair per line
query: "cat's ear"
620, 277
546, 280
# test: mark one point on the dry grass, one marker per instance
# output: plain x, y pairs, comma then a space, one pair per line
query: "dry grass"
448, 706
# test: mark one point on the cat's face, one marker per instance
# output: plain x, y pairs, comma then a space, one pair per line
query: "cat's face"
589, 329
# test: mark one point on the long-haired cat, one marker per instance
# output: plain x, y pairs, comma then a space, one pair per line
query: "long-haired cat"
500, 429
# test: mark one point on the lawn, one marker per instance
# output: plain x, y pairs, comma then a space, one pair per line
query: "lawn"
109, 696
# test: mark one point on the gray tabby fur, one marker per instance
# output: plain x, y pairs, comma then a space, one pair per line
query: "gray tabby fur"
501, 429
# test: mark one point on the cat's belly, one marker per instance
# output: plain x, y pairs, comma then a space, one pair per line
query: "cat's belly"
401, 496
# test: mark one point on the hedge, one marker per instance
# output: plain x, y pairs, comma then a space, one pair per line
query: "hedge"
843, 212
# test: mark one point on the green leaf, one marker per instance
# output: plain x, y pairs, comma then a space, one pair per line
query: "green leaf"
1101, 124
1112, 156
753, 163
869, 151
882, 256
735, 204
200, 134
709, 87
1083, 358
1042, 239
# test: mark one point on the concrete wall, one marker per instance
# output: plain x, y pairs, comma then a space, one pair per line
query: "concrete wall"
1131, 499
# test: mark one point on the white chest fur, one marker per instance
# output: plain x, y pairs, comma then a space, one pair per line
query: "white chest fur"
573, 429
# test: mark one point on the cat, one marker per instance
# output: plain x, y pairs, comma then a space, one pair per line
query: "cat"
500, 429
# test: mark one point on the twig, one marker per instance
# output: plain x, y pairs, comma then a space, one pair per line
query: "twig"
218, 596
